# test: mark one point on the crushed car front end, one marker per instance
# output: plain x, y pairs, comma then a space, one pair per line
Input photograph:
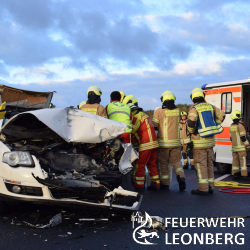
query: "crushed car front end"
66, 156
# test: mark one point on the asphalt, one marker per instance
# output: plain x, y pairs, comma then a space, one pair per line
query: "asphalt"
117, 232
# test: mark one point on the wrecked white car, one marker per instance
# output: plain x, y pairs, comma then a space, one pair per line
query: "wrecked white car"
62, 156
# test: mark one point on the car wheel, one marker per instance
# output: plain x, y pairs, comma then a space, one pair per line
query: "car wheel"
224, 168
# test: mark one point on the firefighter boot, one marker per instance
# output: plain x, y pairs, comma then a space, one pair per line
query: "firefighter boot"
153, 186
236, 176
245, 178
210, 191
164, 187
197, 191
185, 166
182, 183
192, 167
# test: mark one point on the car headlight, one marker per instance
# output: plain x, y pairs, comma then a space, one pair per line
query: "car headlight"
18, 158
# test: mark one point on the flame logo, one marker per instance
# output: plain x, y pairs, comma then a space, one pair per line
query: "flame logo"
143, 233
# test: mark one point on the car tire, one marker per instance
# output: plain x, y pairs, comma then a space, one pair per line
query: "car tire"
224, 168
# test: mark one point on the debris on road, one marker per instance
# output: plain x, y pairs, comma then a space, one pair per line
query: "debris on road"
94, 219
56, 220
77, 237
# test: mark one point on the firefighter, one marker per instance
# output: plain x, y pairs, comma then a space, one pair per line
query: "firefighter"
93, 103
185, 139
144, 132
203, 123
120, 112
130, 99
166, 120
239, 145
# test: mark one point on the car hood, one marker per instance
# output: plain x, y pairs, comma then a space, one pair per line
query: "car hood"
71, 124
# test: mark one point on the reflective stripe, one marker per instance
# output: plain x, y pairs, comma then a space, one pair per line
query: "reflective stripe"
244, 167
219, 115
149, 130
238, 148
81, 104
179, 170
203, 181
210, 179
185, 141
90, 110
235, 168
149, 143
164, 177
199, 171
165, 131
233, 128
238, 138
197, 91
140, 178
204, 143
174, 112
155, 120
139, 182
118, 112
242, 133
91, 88
191, 130
193, 114
163, 143
154, 177
208, 128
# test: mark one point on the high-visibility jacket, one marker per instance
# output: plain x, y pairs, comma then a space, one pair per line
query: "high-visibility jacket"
185, 138
167, 122
120, 112
144, 132
198, 141
236, 132
95, 109
206, 123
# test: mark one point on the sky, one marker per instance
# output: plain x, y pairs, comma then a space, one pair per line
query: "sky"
141, 47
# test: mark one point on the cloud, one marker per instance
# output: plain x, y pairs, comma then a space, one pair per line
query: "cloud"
211, 5
28, 13
87, 32
35, 72
140, 47
3, 70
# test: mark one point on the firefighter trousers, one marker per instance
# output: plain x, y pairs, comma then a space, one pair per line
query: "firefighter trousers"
184, 155
203, 159
149, 158
172, 156
239, 163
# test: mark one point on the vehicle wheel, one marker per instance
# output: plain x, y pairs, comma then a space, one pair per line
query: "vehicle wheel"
223, 168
